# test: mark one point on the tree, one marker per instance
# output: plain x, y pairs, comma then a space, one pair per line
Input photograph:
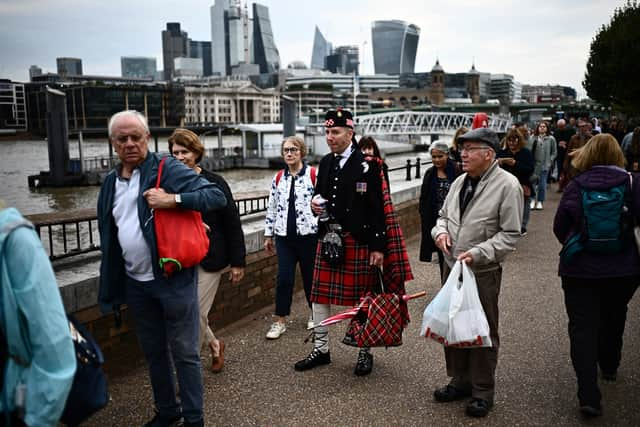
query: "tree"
612, 76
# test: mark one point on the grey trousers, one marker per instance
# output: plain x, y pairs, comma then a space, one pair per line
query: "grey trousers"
475, 368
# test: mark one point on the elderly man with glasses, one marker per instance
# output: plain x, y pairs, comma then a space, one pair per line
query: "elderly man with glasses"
479, 224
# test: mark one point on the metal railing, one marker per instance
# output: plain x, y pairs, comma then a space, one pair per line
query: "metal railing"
75, 232
409, 166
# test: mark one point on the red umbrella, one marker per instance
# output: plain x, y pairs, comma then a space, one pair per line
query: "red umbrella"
348, 314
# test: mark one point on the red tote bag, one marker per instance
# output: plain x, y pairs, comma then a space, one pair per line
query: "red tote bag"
180, 235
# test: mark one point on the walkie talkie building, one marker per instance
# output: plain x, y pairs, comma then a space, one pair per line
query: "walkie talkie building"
394, 46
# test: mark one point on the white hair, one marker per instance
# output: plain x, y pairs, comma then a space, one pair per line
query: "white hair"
128, 113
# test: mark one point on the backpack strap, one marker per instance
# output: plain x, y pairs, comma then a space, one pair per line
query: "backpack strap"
312, 173
279, 176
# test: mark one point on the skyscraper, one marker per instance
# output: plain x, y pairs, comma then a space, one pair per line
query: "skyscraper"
321, 49
202, 50
236, 41
343, 60
34, 71
69, 66
394, 46
266, 53
174, 45
138, 66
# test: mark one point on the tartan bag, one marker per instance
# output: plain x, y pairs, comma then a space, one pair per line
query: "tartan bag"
378, 322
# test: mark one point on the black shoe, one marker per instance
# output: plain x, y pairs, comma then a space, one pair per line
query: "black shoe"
610, 377
364, 365
478, 407
158, 421
591, 411
450, 393
315, 358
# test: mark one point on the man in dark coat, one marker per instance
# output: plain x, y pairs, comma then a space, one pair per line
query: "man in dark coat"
349, 193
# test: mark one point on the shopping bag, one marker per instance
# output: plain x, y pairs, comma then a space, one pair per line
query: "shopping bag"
378, 322
468, 326
435, 319
180, 235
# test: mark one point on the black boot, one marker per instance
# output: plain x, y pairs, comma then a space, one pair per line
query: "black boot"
364, 365
315, 358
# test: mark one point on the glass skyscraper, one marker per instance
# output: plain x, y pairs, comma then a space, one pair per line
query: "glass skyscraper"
321, 49
265, 52
175, 44
138, 66
394, 46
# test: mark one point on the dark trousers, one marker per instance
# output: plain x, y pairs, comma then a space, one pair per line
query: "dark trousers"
167, 319
302, 250
475, 368
597, 311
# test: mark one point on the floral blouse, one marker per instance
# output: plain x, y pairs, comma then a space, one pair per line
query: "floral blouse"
278, 205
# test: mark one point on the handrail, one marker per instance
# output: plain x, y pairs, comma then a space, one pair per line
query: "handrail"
69, 233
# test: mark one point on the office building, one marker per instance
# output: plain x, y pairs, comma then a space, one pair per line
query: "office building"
202, 50
175, 44
189, 68
395, 44
343, 60
138, 66
237, 40
321, 49
13, 109
265, 52
231, 101
34, 71
69, 66
503, 87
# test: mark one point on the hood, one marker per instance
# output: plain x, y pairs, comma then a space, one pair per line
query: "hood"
602, 177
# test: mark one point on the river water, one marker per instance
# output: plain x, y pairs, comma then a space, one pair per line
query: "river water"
19, 159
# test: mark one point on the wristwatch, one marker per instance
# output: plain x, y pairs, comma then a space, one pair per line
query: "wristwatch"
178, 199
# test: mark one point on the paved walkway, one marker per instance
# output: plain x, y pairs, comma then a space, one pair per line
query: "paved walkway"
535, 381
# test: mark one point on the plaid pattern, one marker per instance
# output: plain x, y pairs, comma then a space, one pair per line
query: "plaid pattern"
343, 284
346, 284
379, 322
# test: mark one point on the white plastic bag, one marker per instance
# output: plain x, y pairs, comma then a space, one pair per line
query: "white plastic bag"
435, 320
468, 326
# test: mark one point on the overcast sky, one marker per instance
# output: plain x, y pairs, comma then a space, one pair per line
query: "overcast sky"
537, 41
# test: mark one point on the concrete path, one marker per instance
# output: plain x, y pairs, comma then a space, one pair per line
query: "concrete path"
535, 381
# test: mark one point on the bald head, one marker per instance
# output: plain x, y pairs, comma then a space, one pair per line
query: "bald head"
561, 124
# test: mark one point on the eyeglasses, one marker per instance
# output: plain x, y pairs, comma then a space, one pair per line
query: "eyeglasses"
292, 150
471, 149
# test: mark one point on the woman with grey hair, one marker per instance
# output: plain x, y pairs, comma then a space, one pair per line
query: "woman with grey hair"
435, 187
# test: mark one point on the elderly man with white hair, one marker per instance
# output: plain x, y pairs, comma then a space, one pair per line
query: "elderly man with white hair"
165, 309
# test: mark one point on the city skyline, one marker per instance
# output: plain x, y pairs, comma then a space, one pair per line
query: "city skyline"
539, 42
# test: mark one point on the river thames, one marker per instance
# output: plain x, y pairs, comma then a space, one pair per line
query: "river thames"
19, 159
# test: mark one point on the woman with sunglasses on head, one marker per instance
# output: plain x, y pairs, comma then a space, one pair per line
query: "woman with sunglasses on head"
226, 241
290, 222
517, 160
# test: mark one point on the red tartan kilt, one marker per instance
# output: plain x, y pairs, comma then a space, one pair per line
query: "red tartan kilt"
343, 284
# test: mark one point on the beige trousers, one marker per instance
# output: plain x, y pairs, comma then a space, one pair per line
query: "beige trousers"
208, 282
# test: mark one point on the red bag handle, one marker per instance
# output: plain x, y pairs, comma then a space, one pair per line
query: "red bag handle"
160, 172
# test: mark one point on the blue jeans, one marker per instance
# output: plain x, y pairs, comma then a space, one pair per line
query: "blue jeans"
541, 191
301, 250
166, 319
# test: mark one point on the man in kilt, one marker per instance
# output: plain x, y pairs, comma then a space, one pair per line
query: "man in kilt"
351, 197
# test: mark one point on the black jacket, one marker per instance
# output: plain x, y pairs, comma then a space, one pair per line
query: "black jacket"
358, 204
226, 238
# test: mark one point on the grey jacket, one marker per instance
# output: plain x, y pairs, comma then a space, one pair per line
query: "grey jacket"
491, 222
545, 153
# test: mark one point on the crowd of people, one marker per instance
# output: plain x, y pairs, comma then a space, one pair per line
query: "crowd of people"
338, 224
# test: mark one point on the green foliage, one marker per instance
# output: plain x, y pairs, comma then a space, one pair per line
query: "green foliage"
612, 76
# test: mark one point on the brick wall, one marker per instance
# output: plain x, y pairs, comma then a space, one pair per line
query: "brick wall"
232, 303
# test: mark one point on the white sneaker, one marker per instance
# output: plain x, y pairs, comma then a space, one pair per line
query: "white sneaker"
532, 204
539, 206
310, 323
276, 330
